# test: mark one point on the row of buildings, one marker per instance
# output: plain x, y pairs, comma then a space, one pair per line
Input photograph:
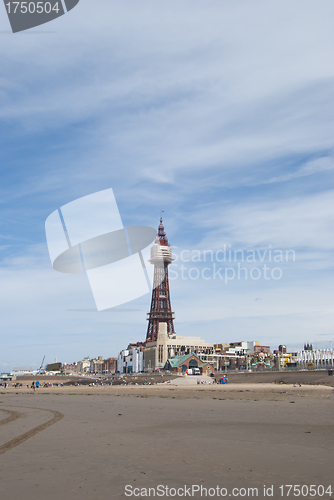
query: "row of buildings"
176, 354
164, 349
92, 365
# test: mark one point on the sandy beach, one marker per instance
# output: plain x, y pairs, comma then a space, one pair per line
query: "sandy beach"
104, 442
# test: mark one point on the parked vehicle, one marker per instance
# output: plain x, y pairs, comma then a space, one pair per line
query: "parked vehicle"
193, 371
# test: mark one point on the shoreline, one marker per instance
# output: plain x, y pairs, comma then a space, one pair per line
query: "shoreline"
266, 391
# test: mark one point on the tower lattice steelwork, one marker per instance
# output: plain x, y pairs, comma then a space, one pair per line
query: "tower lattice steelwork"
161, 309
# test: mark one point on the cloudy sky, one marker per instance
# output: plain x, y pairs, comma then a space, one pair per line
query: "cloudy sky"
221, 114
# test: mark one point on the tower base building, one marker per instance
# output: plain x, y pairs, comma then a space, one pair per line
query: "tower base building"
161, 341
169, 346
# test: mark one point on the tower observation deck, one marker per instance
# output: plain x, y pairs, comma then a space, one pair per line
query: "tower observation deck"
161, 309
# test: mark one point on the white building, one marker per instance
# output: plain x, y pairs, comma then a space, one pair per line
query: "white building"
131, 360
243, 347
84, 365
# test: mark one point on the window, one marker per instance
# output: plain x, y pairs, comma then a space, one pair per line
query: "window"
160, 354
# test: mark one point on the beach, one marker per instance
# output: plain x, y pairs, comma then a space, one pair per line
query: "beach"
103, 442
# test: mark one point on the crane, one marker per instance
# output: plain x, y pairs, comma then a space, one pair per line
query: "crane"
40, 368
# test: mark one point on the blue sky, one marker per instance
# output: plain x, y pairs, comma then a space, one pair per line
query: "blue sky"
219, 113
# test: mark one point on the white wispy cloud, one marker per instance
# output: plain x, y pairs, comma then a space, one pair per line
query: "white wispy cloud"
311, 167
295, 222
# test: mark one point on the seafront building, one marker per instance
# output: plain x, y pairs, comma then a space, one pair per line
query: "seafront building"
96, 365
131, 360
162, 343
169, 346
84, 365
182, 364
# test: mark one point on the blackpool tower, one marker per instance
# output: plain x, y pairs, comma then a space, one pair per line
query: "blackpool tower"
161, 309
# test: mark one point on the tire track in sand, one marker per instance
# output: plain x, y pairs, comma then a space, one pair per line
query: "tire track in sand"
26, 435
13, 415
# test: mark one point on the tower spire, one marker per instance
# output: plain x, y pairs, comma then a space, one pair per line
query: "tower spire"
161, 309
161, 233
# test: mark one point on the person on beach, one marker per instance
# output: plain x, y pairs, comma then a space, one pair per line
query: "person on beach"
33, 386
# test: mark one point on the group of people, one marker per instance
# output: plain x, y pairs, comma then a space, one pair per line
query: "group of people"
36, 385
223, 380
14, 384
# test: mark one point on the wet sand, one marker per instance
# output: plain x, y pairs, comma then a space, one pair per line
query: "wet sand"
90, 442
